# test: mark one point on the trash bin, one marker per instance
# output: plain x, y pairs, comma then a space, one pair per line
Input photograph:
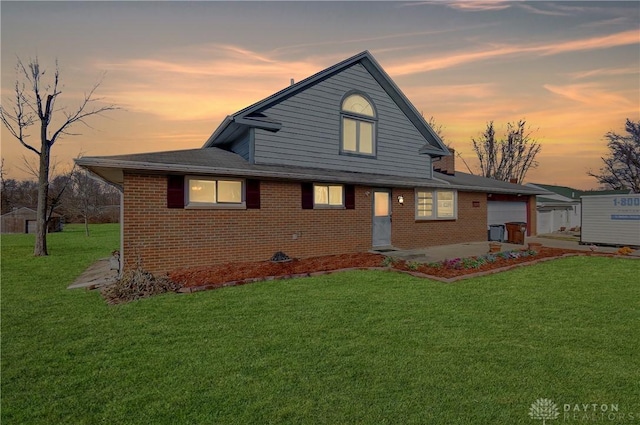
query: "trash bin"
496, 232
516, 231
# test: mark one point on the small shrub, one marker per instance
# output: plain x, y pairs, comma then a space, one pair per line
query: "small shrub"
470, 263
490, 258
455, 263
389, 261
136, 284
413, 265
435, 265
480, 261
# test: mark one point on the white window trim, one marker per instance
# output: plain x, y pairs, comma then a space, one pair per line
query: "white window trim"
435, 216
359, 118
214, 205
328, 206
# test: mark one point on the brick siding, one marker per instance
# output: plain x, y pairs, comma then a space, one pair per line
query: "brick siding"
408, 233
162, 239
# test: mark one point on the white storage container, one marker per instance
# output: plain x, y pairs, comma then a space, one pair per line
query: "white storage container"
611, 220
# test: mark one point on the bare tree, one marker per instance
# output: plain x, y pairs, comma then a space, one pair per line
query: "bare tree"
4, 196
437, 128
621, 168
58, 181
34, 103
84, 199
508, 158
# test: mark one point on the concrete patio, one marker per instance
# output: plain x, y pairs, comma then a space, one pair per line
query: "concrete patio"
472, 249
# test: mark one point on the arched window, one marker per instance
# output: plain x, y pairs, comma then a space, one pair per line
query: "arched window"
358, 118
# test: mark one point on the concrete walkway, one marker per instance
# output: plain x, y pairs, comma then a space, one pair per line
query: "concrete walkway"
97, 275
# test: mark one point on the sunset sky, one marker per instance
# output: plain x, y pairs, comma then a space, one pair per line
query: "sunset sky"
571, 69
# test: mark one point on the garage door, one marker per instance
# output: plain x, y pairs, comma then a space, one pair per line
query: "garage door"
501, 212
545, 222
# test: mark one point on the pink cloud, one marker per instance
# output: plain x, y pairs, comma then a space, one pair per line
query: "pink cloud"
420, 64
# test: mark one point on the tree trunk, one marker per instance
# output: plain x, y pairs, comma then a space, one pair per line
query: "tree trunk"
40, 247
86, 225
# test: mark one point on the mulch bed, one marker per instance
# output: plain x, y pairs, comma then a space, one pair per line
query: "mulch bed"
237, 273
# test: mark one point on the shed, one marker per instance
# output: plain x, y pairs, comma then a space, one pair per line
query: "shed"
23, 220
611, 220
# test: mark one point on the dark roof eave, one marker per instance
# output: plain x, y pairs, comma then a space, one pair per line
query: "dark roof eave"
218, 131
311, 175
98, 167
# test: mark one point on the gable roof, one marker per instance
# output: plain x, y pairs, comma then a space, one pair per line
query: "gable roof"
26, 213
252, 116
22, 211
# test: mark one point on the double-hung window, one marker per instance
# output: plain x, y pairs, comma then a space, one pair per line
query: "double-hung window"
207, 192
436, 204
358, 119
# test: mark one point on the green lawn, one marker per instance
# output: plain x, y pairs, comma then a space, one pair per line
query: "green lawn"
349, 348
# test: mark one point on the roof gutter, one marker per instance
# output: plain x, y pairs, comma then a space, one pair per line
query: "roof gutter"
312, 175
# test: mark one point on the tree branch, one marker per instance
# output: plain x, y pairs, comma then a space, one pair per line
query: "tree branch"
80, 114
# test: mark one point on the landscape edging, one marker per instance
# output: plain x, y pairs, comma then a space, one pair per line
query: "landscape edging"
415, 274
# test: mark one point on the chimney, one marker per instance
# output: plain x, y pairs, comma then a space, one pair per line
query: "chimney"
446, 164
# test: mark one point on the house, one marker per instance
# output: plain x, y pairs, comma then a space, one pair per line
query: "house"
23, 220
560, 209
339, 162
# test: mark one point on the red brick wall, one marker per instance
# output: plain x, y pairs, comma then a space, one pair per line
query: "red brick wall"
408, 233
532, 216
446, 164
163, 239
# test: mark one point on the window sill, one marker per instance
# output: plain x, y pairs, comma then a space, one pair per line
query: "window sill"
436, 219
359, 155
242, 206
329, 207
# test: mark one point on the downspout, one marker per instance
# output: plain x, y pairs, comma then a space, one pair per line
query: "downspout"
529, 216
121, 233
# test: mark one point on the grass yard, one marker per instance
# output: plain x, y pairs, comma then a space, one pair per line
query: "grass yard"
349, 348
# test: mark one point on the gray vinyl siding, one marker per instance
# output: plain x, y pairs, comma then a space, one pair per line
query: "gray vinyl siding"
310, 134
242, 145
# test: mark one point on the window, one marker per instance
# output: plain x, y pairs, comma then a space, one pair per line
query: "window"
358, 125
211, 192
324, 195
328, 195
436, 204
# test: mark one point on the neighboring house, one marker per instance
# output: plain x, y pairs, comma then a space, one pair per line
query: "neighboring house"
340, 162
560, 209
23, 220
